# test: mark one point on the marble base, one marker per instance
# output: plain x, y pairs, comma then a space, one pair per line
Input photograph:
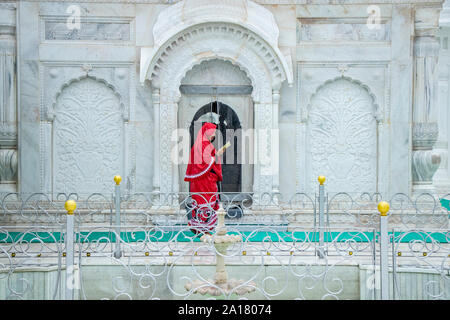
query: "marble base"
233, 286
418, 189
6, 187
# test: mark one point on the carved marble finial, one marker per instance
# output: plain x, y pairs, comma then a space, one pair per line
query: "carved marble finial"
343, 68
87, 67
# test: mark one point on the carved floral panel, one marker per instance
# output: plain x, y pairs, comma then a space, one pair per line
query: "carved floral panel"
58, 30
88, 146
335, 32
342, 137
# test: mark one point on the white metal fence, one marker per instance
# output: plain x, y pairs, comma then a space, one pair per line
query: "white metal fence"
138, 246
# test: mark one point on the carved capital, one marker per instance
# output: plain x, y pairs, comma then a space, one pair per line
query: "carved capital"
426, 19
424, 135
7, 18
276, 96
155, 95
8, 134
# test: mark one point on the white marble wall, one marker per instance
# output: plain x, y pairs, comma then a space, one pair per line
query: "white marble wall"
324, 42
48, 67
367, 60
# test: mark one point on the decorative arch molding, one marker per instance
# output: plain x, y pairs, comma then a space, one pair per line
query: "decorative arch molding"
193, 31
248, 25
166, 66
187, 13
379, 112
50, 110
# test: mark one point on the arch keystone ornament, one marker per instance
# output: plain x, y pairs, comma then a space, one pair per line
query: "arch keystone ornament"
192, 31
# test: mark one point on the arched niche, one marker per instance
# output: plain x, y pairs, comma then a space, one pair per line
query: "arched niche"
342, 137
87, 120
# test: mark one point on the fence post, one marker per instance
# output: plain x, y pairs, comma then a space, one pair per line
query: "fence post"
321, 250
117, 251
394, 263
70, 206
383, 208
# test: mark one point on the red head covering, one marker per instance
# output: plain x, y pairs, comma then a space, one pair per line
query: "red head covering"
202, 157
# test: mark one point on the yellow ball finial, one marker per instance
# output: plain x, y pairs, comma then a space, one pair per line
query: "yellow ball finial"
321, 180
117, 179
70, 206
383, 207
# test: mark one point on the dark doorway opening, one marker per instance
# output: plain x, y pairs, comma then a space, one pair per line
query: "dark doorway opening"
228, 122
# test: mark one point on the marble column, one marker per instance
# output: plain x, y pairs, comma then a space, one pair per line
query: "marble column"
441, 179
255, 188
266, 177
425, 160
168, 171
8, 105
275, 143
156, 176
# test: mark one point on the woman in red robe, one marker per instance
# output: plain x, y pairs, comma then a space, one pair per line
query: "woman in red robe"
203, 172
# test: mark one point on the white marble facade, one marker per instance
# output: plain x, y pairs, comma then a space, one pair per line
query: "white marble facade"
346, 89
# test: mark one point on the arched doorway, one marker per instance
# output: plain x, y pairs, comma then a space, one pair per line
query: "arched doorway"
209, 31
230, 130
216, 88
